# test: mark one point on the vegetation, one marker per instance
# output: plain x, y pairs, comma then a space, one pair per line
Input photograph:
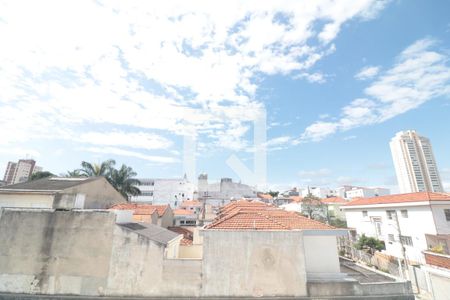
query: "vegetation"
313, 208
40, 174
370, 243
438, 249
123, 179
338, 223
273, 194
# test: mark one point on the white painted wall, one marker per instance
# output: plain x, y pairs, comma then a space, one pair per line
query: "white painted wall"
420, 221
321, 255
29, 200
166, 191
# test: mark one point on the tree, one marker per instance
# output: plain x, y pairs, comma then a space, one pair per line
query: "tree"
92, 169
338, 223
373, 244
122, 179
41, 174
74, 173
313, 208
273, 194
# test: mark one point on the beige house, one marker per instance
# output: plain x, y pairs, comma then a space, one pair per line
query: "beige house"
161, 215
61, 193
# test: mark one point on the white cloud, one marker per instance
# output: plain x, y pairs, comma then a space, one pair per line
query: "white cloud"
367, 73
177, 66
133, 139
420, 74
122, 152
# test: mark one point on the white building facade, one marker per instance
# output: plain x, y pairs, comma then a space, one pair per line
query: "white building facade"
20, 171
362, 192
165, 191
414, 163
402, 219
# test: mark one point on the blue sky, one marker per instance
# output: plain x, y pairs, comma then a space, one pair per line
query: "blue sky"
98, 80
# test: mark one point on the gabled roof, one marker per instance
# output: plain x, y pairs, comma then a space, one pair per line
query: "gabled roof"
142, 209
155, 233
272, 219
400, 198
182, 212
296, 199
187, 203
188, 236
264, 196
49, 184
333, 200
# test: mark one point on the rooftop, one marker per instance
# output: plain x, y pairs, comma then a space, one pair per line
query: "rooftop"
264, 218
155, 233
333, 200
400, 198
187, 203
142, 209
182, 212
188, 236
49, 184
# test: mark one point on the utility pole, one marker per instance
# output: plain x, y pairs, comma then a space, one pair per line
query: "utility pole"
404, 271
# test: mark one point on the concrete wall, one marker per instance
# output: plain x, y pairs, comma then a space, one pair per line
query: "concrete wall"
253, 263
64, 252
321, 255
99, 194
26, 200
192, 251
442, 225
166, 220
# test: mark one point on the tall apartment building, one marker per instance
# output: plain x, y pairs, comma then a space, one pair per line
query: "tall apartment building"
20, 171
414, 163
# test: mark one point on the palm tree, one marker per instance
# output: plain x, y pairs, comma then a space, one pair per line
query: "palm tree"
92, 169
74, 173
40, 175
122, 179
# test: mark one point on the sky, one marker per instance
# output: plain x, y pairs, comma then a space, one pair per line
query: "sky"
129, 80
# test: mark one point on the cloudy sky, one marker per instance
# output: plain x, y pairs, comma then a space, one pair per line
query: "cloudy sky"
92, 80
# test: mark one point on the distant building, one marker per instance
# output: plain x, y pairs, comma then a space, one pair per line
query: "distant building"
165, 191
161, 215
319, 192
61, 193
415, 220
20, 171
414, 163
363, 192
219, 194
333, 205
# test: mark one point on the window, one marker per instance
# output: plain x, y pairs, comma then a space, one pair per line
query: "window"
447, 214
406, 240
390, 214
404, 213
364, 212
391, 238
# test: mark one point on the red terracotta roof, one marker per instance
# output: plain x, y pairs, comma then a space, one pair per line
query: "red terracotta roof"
264, 196
142, 209
242, 204
271, 219
178, 212
190, 203
188, 236
296, 199
332, 200
401, 198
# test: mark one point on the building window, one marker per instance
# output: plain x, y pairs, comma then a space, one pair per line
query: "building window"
447, 214
404, 213
391, 238
390, 214
406, 240
364, 212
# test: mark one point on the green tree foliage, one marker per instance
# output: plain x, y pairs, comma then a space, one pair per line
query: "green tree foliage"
338, 223
123, 179
39, 175
273, 194
313, 208
371, 243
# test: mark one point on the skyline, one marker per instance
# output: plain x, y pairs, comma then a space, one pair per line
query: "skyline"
337, 82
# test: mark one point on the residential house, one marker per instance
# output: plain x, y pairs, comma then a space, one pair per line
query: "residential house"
192, 205
61, 193
145, 213
333, 205
410, 221
184, 217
